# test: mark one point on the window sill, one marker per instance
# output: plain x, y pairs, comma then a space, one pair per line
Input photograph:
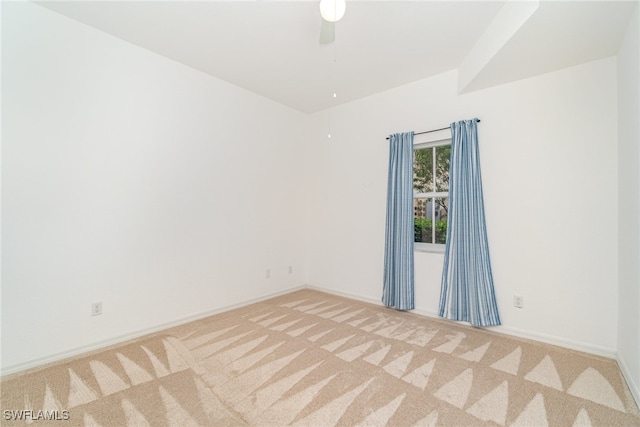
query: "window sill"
428, 248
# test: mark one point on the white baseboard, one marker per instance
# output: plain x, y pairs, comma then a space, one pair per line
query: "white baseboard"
39, 362
559, 341
634, 387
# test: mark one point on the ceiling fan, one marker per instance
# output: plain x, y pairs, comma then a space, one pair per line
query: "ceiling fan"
332, 11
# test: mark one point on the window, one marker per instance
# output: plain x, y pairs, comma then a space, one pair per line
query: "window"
431, 194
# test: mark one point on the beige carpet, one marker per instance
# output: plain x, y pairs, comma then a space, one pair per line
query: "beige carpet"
309, 358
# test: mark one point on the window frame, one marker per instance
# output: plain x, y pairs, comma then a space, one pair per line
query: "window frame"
437, 142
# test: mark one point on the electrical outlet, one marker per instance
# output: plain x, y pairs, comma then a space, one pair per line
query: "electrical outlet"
96, 308
268, 273
518, 301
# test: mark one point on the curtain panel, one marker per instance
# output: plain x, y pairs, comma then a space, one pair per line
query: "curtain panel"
398, 256
467, 291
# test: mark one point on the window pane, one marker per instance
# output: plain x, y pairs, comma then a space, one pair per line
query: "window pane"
443, 154
423, 170
422, 223
441, 212
430, 220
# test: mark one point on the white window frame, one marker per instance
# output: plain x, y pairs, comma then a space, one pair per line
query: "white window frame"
422, 246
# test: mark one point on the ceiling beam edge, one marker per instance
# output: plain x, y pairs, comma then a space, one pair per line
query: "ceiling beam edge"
510, 19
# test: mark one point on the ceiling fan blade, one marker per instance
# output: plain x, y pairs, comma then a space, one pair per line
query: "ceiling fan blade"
327, 32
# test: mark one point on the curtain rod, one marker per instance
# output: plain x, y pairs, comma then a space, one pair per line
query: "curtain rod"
434, 130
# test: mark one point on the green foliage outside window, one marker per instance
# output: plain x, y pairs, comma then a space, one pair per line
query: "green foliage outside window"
423, 230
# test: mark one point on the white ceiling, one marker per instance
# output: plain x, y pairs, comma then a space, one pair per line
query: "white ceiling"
271, 47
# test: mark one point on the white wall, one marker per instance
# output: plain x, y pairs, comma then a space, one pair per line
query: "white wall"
549, 162
629, 203
136, 181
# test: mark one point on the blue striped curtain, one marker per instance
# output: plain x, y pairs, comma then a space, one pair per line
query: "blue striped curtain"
398, 252
467, 283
